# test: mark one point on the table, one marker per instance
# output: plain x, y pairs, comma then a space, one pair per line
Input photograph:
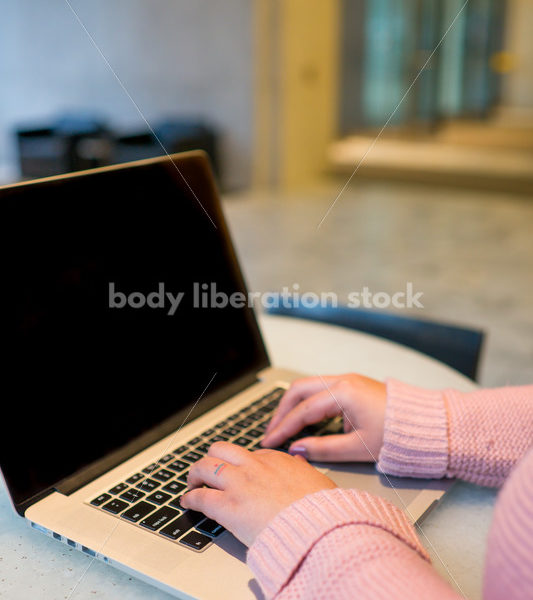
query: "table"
32, 565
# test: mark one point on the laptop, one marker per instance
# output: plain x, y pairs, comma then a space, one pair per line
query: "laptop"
121, 374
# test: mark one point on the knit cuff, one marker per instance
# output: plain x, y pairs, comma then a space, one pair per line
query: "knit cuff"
281, 547
415, 442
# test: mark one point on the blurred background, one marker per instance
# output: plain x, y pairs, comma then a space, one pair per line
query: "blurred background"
427, 105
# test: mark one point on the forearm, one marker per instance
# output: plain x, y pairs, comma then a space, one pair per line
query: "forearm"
359, 561
478, 436
343, 544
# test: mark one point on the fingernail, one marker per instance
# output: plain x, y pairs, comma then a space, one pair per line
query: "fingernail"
298, 451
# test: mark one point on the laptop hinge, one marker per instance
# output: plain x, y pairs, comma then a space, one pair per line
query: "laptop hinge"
23, 506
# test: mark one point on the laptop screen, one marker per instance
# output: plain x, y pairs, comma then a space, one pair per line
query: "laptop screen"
114, 318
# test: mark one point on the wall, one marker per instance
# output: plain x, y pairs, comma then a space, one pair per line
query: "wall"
297, 49
310, 40
173, 56
518, 89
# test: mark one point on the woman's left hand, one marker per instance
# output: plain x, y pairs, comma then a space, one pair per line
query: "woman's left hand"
248, 489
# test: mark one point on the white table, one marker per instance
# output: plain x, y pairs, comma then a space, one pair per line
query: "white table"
32, 565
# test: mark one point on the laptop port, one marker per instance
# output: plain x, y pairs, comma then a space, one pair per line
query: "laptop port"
88, 551
39, 528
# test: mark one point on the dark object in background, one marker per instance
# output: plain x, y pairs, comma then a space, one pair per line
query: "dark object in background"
70, 143
171, 136
135, 146
76, 142
457, 347
182, 136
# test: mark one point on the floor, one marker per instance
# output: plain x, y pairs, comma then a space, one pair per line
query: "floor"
469, 252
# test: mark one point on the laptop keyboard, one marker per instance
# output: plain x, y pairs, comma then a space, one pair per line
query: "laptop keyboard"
151, 497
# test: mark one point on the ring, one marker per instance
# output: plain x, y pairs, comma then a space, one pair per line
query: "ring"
219, 468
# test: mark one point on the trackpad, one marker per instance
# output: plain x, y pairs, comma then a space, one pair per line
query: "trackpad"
363, 476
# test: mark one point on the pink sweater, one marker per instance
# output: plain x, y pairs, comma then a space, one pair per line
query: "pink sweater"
339, 544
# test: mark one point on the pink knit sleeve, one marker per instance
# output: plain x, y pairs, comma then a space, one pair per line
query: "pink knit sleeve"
477, 436
343, 544
509, 562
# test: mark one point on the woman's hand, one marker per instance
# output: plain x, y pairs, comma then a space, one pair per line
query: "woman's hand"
359, 400
248, 489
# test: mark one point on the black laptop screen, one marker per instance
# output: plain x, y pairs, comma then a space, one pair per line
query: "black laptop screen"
107, 328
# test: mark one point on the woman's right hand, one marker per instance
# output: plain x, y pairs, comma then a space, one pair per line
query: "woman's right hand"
359, 400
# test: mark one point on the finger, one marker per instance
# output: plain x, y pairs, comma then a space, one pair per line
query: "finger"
344, 447
236, 455
299, 390
210, 471
207, 501
311, 410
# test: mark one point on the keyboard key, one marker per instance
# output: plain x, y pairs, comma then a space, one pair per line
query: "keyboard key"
245, 423
195, 540
194, 441
254, 433
166, 458
139, 511
203, 448
192, 456
115, 506
119, 488
159, 518
235, 416
231, 431
187, 521
221, 425
242, 441
172, 532
135, 478
163, 475
183, 477
182, 524
148, 470
256, 415
181, 449
132, 496
174, 487
208, 432
210, 527
218, 438
101, 499
262, 426
148, 485
257, 447
176, 503
159, 497
178, 465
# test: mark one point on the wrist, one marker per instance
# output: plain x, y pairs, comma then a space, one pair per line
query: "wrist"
415, 435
